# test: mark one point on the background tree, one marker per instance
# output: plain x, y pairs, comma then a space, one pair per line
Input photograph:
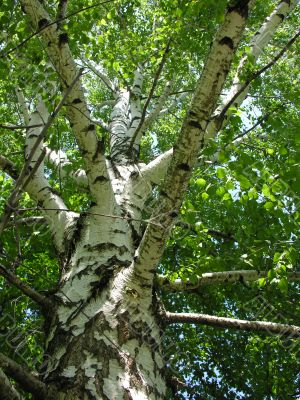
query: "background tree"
149, 199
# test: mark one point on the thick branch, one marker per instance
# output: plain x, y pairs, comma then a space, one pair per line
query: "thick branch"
190, 139
25, 379
239, 88
214, 278
25, 288
291, 331
57, 214
155, 171
256, 74
57, 47
9, 167
60, 161
7, 390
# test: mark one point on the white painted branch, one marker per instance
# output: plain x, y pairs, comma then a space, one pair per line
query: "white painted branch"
60, 160
190, 140
290, 331
57, 47
155, 171
214, 278
257, 46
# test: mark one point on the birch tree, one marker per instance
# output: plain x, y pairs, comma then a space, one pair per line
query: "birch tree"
148, 191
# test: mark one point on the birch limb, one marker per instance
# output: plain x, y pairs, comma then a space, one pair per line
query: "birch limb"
7, 390
191, 139
155, 113
61, 162
22, 103
57, 214
215, 278
102, 75
26, 289
155, 171
260, 40
57, 47
26, 379
291, 331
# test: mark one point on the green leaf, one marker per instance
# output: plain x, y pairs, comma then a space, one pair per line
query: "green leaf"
221, 173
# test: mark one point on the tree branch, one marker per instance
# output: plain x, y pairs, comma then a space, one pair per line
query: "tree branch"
7, 390
26, 173
26, 379
291, 331
58, 50
45, 303
60, 161
238, 91
154, 84
215, 278
102, 75
255, 75
190, 140
156, 169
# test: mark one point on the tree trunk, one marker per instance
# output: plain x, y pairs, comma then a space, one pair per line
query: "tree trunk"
104, 339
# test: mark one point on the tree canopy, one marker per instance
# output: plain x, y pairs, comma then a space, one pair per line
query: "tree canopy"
220, 212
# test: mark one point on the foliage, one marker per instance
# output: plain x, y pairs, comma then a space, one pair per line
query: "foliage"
250, 193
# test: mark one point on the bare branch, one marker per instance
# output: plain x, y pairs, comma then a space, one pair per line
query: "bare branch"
155, 170
154, 84
26, 379
290, 331
26, 289
215, 278
101, 74
7, 390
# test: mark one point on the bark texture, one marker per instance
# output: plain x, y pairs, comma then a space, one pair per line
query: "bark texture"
103, 323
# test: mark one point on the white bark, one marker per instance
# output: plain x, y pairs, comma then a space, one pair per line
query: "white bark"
213, 278
190, 141
62, 164
155, 171
291, 331
257, 46
56, 44
58, 218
